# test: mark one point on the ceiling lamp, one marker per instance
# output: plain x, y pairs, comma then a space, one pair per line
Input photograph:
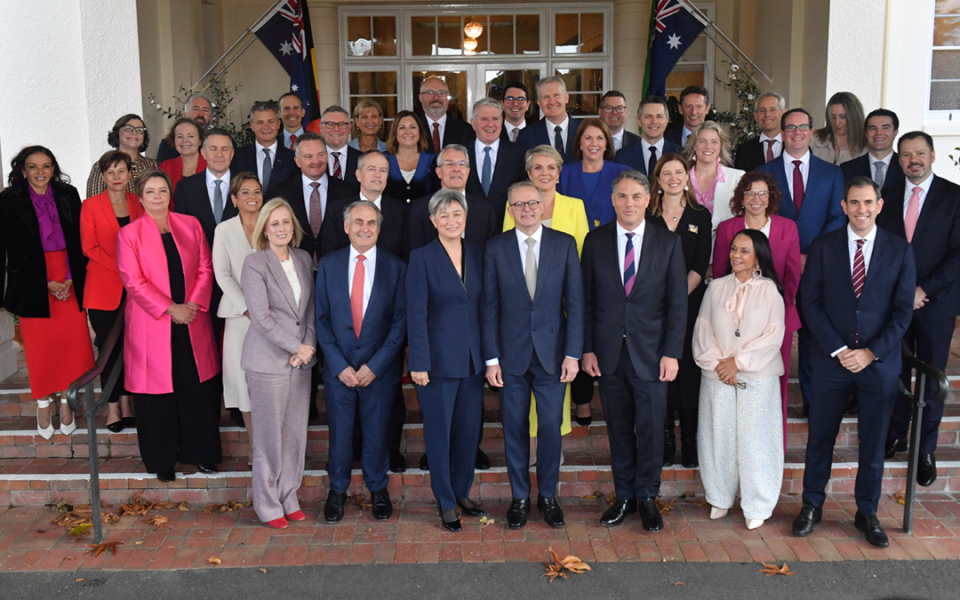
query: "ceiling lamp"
469, 44
473, 30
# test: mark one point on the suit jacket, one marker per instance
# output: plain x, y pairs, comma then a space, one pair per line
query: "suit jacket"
785, 246
653, 317
629, 139
422, 183
632, 155
821, 211
674, 136
882, 314
142, 263
455, 131
24, 290
393, 232
98, 235
278, 325
750, 155
936, 242
230, 249
384, 330
481, 222
598, 204
514, 327
508, 170
569, 217
862, 166
165, 151
291, 190
503, 132
246, 159
541, 132
443, 312
191, 198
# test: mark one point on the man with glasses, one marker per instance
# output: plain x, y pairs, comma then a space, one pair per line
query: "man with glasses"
341, 159
516, 103
441, 130
273, 162
196, 107
757, 151
613, 112
532, 336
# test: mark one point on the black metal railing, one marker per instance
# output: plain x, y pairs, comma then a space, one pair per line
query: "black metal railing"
91, 407
920, 372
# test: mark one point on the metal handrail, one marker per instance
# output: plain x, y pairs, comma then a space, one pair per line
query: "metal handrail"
919, 400
91, 407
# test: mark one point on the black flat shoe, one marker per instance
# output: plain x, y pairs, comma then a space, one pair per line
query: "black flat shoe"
333, 508
893, 446
517, 513
870, 525
584, 421
398, 464
453, 526
551, 511
116, 426
129, 422
688, 453
927, 469
167, 476
483, 461
807, 520
650, 514
469, 508
382, 507
614, 515
424, 465
207, 469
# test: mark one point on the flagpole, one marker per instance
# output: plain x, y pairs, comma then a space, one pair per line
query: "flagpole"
249, 29
238, 54
699, 14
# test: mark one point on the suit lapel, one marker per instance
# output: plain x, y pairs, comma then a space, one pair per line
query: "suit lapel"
305, 274
843, 254
930, 205
205, 212
547, 258
276, 270
376, 291
516, 263
787, 208
876, 260
646, 247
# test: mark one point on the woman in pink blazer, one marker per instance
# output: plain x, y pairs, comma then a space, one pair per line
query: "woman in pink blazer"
755, 203
171, 361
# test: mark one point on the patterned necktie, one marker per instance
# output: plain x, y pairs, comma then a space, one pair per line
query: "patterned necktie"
629, 265
879, 168
337, 171
316, 209
797, 185
558, 139
217, 201
356, 295
487, 171
652, 164
436, 138
769, 149
267, 169
913, 213
530, 269
859, 269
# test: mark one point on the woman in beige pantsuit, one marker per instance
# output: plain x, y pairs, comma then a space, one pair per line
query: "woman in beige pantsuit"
278, 354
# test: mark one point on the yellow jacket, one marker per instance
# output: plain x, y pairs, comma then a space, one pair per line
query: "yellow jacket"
569, 216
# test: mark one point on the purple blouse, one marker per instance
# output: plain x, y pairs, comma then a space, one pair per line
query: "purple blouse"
51, 232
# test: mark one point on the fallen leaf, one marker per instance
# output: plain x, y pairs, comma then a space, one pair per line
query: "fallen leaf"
263, 571
593, 496
79, 579
360, 501
213, 560
97, 549
61, 506
558, 567
139, 542
157, 521
108, 517
136, 507
486, 521
679, 583
80, 530
665, 507
771, 570
184, 507
222, 508
611, 498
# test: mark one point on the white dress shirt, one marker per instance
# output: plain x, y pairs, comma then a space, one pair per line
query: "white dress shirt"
509, 128
564, 129
478, 147
788, 167
308, 191
273, 157
645, 147
224, 188
442, 123
924, 187
852, 238
886, 160
777, 144
343, 160
375, 202
622, 244
370, 268
286, 137
618, 139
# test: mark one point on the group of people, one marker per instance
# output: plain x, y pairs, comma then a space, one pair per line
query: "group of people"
540, 257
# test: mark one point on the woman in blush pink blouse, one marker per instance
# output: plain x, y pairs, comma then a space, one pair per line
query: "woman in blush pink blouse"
736, 343
711, 178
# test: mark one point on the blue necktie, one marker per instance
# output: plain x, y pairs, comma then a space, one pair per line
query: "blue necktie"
558, 139
486, 171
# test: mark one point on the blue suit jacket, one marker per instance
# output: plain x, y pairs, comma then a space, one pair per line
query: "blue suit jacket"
422, 183
537, 134
821, 211
599, 205
632, 155
514, 326
443, 313
245, 159
381, 342
880, 317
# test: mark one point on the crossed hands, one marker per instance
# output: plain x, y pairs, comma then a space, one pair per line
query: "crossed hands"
183, 314
302, 357
361, 377
60, 291
727, 370
856, 360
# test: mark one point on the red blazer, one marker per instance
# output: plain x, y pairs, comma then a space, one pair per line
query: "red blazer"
785, 245
142, 262
98, 237
174, 168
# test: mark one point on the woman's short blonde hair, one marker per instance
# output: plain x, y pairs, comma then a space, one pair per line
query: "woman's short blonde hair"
690, 153
543, 150
260, 238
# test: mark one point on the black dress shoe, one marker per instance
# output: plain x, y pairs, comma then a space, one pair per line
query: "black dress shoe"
807, 520
614, 515
398, 464
517, 513
208, 469
453, 526
483, 461
129, 422
382, 507
893, 446
688, 453
852, 407
650, 514
469, 508
424, 465
333, 507
870, 525
551, 511
927, 469
115, 427
167, 476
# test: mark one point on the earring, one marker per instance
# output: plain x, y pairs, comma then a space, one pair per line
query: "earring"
757, 273
686, 188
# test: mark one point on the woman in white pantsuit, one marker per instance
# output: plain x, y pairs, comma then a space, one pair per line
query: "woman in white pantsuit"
736, 343
232, 243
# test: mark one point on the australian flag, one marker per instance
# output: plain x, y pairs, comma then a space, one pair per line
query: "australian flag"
287, 34
673, 28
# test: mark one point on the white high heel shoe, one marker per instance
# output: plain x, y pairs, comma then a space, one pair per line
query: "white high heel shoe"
66, 429
47, 432
754, 523
717, 513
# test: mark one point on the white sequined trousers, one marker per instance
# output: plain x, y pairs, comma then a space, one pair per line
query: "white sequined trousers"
740, 443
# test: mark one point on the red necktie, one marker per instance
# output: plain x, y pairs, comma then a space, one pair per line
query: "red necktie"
336, 166
769, 149
436, 138
356, 295
859, 269
797, 185
293, 140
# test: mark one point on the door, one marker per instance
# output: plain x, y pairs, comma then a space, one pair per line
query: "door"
469, 82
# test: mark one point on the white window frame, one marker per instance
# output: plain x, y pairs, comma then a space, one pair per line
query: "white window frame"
943, 117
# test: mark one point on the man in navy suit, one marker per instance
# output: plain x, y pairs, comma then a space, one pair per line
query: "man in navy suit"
516, 103
499, 164
635, 315
341, 159
694, 106
881, 163
272, 162
441, 128
767, 111
532, 326
816, 187
652, 116
556, 128
613, 112
858, 292
361, 326
925, 211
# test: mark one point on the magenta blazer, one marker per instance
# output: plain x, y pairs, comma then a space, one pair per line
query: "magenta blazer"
142, 263
785, 245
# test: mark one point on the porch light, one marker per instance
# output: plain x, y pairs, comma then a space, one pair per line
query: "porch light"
472, 31
469, 44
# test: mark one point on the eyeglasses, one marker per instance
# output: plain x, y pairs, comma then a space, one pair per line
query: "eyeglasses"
434, 94
132, 129
512, 99
450, 163
614, 109
340, 125
532, 204
763, 195
792, 128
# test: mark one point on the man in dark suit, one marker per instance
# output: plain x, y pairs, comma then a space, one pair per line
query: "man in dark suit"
652, 116
360, 331
757, 151
516, 103
858, 291
341, 159
441, 129
925, 211
271, 161
613, 112
694, 106
499, 164
881, 163
453, 169
556, 128
196, 107
532, 330
635, 297
372, 171
815, 186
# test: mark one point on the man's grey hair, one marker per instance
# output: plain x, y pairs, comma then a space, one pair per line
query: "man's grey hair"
307, 136
455, 148
365, 155
357, 204
632, 175
781, 102
521, 185
333, 108
548, 81
216, 131
491, 102
188, 103
264, 106
445, 198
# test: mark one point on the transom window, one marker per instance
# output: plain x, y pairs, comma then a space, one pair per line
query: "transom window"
945, 62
